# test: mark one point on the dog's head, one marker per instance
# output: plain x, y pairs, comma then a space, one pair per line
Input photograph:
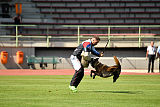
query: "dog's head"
94, 62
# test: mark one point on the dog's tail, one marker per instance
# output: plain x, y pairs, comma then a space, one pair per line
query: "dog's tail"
117, 61
116, 74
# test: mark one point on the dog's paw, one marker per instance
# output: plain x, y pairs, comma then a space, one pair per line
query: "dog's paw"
115, 77
91, 74
94, 76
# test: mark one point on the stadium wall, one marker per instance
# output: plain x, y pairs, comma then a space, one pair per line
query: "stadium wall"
12, 62
49, 17
130, 58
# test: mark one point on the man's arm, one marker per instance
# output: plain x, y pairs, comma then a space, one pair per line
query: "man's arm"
94, 51
147, 54
14, 17
20, 19
87, 46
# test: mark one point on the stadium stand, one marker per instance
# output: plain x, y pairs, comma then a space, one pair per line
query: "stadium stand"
54, 13
57, 23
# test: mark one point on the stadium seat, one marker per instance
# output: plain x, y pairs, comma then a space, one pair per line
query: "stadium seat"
51, 15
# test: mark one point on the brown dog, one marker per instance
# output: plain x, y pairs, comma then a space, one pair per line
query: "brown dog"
104, 70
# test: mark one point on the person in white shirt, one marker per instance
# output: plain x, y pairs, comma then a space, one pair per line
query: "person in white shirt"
151, 53
158, 56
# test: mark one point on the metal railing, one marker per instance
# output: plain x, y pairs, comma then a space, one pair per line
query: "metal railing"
108, 34
17, 36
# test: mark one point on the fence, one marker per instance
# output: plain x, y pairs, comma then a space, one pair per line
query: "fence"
109, 35
79, 36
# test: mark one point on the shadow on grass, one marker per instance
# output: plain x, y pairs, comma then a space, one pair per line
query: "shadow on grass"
105, 91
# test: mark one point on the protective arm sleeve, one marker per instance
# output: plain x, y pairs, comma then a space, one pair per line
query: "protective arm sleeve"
94, 52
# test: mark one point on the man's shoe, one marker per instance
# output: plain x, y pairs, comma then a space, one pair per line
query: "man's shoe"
73, 88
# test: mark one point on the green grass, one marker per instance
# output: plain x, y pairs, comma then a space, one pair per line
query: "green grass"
53, 91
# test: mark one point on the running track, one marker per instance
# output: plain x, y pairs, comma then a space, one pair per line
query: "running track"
58, 72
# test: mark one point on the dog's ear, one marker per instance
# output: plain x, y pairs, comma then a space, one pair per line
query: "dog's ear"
96, 59
92, 59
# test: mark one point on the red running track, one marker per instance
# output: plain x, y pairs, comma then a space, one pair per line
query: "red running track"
57, 72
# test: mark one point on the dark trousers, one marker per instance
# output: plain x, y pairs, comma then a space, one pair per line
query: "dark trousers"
19, 30
151, 60
77, 77
159, 65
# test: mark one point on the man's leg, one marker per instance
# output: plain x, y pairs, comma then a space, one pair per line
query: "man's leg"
149, 63
152, 59
159, 65
152, 69
77, 77
20, 29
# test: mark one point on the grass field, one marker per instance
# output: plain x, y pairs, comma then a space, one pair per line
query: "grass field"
52, 91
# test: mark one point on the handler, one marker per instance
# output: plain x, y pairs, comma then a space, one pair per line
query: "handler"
84, 47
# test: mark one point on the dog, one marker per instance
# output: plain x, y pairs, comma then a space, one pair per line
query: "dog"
105, 71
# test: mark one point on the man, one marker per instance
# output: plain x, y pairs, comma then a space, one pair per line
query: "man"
158, 56
17, 21
85, 46
151, 53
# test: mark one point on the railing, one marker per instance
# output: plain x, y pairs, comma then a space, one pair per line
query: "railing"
16, 36
140, 35
108, 34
